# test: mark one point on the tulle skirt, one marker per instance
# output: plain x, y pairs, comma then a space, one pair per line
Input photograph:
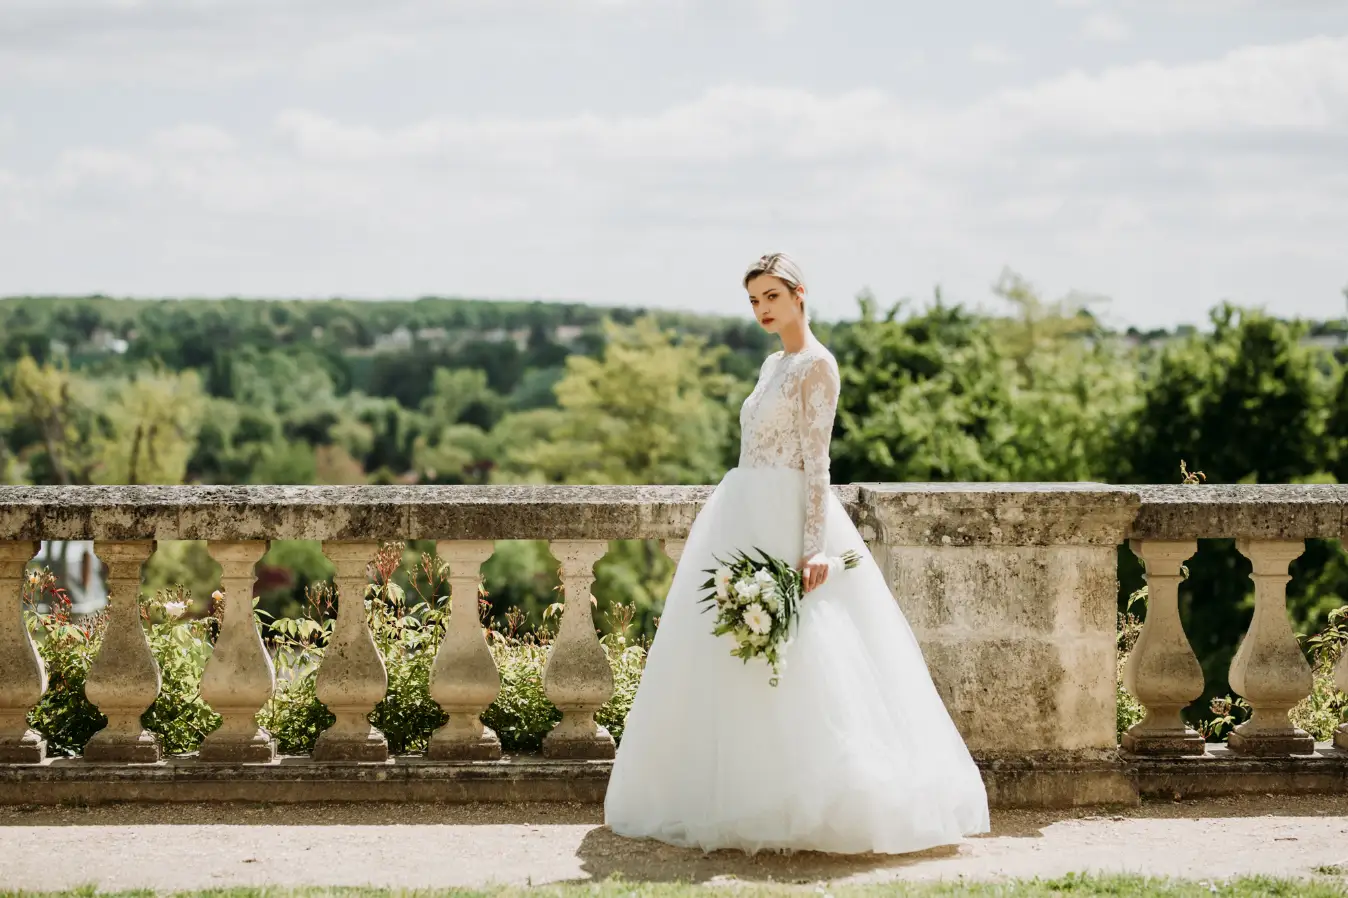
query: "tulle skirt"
852, 752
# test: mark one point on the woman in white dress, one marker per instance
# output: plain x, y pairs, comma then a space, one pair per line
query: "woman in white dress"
853, 751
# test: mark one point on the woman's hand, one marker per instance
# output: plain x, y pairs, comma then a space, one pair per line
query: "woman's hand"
814, 571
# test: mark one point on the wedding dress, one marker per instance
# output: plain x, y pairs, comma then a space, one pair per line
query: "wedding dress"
853, 751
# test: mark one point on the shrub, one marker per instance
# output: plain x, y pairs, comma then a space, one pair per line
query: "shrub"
64, 716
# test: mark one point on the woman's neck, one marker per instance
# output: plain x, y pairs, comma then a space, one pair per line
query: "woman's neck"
795, 338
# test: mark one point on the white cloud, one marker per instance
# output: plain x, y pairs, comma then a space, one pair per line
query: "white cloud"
194, 138
214, 41
1197, 179
991, 54
1299, 88
1106, 27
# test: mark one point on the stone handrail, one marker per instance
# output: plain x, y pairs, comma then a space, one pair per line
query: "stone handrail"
1270, 525
1011, 590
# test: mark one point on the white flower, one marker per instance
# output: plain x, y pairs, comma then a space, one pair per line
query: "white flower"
175, 609
757, 620
771, 600
748, 589
764, 578
723, 576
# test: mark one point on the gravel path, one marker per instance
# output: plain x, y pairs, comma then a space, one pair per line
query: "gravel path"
169, 847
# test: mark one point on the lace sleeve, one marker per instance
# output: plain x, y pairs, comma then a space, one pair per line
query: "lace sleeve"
818, 404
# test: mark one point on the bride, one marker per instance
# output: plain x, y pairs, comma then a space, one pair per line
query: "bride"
854, 751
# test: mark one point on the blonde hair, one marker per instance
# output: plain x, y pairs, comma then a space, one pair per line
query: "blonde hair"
778, 265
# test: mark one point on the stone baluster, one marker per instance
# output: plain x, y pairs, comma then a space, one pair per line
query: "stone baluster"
124, 679
352, 679
674, 549
1163, 672
22, 676
464, 679
1269, 670
577, 678
1341, 680
239, 677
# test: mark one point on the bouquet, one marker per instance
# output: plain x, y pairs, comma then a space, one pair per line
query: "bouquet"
756, 602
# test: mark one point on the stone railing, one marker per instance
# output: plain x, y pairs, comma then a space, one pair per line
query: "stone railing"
1010, 588
1270, 525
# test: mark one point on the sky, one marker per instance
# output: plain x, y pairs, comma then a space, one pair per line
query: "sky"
1162, 155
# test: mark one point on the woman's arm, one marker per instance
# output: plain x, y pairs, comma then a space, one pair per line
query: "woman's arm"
818, 404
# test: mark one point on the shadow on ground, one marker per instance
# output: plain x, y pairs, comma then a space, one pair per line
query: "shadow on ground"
604, 854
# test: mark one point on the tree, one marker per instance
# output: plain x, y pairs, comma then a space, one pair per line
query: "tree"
152, 421
1246, 404
52, 405
651, 410
923, 398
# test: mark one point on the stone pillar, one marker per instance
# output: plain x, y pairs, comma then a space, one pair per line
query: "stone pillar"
239, 677
578, 679
1163, 671
464, 680
1269, 671
22, 676
674, 549
352, 679
1012, 590
124, 679
1341, 680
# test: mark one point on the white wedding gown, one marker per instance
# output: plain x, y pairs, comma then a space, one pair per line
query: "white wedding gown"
854, 751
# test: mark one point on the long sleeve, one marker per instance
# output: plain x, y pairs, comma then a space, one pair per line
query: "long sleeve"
818, 404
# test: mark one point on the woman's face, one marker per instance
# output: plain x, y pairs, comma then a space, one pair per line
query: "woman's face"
775, 304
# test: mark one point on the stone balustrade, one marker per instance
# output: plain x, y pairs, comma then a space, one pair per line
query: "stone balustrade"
1270, 525
1011, 590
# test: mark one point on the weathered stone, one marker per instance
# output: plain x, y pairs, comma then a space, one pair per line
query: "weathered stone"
1259, 512
577, 678
1057, 780
347, 513
1269, 670
239, 676
22, 676
998, 514
1052, 611
352, 678
1041, 780
464, 679
124, 679
555, 512
1221, 772
674, 549
1162, 671
301, 780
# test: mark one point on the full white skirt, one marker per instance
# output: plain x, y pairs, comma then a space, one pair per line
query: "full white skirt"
852, 752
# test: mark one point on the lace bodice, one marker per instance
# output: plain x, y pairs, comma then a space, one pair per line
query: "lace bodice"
787, 422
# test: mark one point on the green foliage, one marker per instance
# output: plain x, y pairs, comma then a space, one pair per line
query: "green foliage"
65, 718
1247, 403
923, 398
652, 410
1128, 710
1326, 707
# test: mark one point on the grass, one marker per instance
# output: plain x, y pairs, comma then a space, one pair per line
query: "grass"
1084, 886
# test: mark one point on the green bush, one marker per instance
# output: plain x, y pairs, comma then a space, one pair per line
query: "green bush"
64, 716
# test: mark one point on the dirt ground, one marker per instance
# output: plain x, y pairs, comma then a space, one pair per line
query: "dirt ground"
170, 847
